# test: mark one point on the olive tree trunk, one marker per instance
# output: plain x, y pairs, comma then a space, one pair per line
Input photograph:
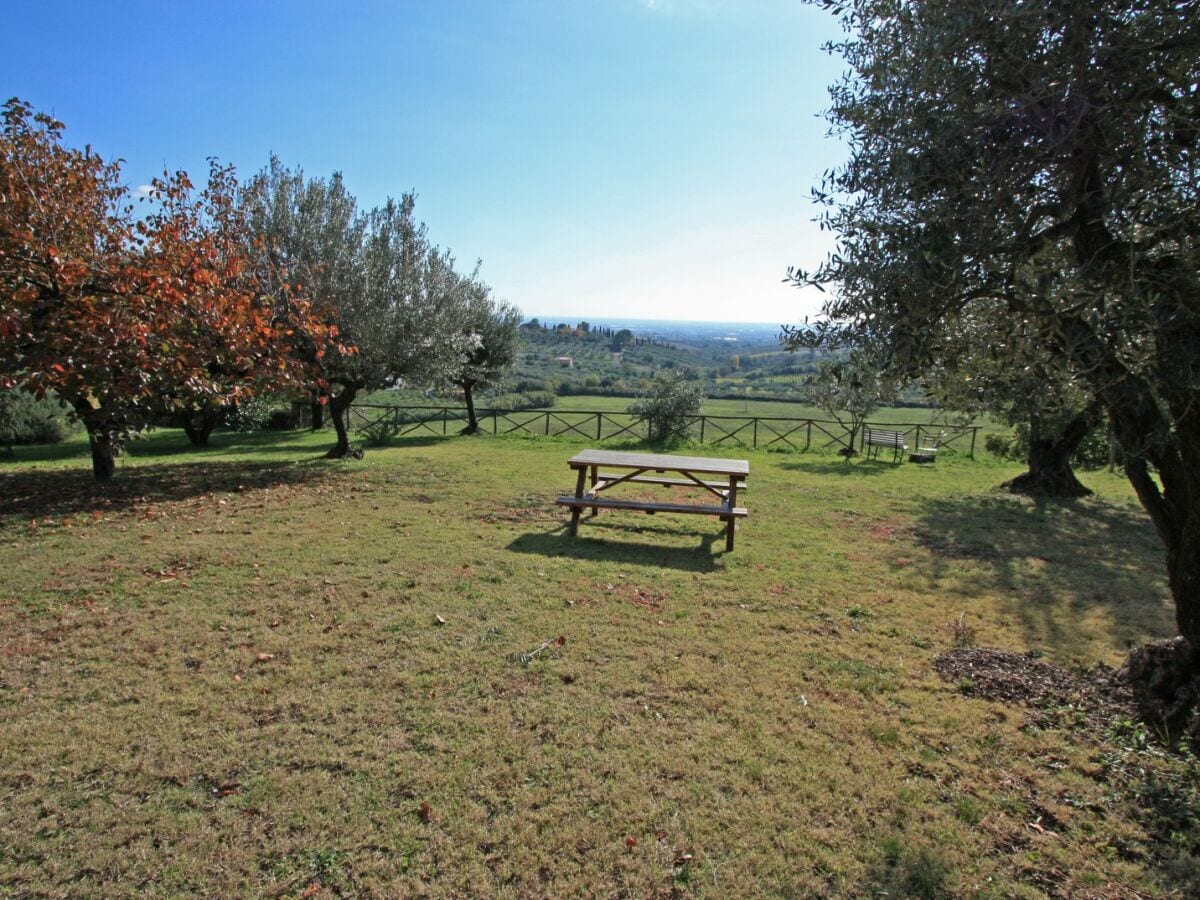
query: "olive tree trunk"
1050, 473
339, 412
469, 397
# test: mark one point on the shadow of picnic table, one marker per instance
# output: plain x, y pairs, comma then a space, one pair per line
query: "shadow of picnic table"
603, 541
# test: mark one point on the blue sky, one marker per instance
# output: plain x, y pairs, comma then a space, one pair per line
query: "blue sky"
641, 158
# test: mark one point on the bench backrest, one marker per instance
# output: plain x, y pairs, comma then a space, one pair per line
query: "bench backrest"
889, 438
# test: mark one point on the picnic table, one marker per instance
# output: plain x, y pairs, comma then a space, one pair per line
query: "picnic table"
601, 470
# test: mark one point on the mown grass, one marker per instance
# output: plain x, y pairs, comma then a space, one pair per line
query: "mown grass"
254, 671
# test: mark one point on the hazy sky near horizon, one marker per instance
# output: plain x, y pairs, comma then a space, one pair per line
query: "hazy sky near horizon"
622, 158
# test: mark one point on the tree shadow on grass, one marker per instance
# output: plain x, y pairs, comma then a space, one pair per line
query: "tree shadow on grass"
67, 492
421, 440
558, 542
1053, 563
856, 468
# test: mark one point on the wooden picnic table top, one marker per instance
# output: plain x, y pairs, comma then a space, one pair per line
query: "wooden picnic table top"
660, 461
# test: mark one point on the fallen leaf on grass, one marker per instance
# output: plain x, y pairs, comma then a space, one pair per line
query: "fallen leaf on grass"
265, 657
438, 620
631, 842
425, 812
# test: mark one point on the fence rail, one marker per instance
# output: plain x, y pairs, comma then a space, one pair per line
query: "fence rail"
381, 421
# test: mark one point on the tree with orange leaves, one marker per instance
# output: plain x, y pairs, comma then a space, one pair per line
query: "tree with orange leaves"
123, 316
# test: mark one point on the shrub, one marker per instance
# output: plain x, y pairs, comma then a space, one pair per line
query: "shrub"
530, 400
24, 419
668, 406
283, 419
253, 414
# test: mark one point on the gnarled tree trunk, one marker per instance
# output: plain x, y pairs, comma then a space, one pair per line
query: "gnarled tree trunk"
469, 397
1162, 459
339, 408
199, 425
1050, 473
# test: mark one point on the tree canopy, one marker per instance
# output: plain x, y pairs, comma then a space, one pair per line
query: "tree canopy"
1032, 165
493, 327
375, 275
849, 390
120, 314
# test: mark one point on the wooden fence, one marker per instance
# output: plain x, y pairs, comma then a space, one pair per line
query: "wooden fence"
381, 421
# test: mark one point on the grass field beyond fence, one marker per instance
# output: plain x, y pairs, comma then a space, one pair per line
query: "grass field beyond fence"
252, 671
768, 425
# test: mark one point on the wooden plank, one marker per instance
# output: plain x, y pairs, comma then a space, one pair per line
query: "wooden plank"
637, 505
672, 482
886, 438
660, 462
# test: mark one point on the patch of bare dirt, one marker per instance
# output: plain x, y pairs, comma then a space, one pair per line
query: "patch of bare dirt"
1099, 693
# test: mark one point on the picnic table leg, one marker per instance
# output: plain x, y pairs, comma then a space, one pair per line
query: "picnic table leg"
595, 476
575, 510
731, 520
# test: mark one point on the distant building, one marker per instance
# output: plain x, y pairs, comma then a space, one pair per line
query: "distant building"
567, 361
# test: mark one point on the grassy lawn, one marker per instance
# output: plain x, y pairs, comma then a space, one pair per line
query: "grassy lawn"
253, 671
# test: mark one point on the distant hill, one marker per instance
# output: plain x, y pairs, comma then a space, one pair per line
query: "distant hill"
758, 333
620, 357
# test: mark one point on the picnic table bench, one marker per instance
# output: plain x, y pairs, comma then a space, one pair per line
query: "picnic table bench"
601, 470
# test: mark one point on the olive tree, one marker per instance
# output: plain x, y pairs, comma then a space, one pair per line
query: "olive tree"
493, 326
668, 407
1033, 164
390, 293
848, 390
1023, 387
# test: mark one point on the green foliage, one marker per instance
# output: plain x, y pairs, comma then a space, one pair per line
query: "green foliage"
1022, 186
668, 407
494, 326
393, 294
1013, 445
24, 419
849, 391
529, 400
251, 414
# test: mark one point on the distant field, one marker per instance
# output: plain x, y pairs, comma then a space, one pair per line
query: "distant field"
782, 408
900, 415
253, 671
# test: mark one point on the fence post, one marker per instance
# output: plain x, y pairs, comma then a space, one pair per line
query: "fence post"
495, 423
547, 424
598, 421
974, 431
917, 440
445, 418
756, 432
703, 419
